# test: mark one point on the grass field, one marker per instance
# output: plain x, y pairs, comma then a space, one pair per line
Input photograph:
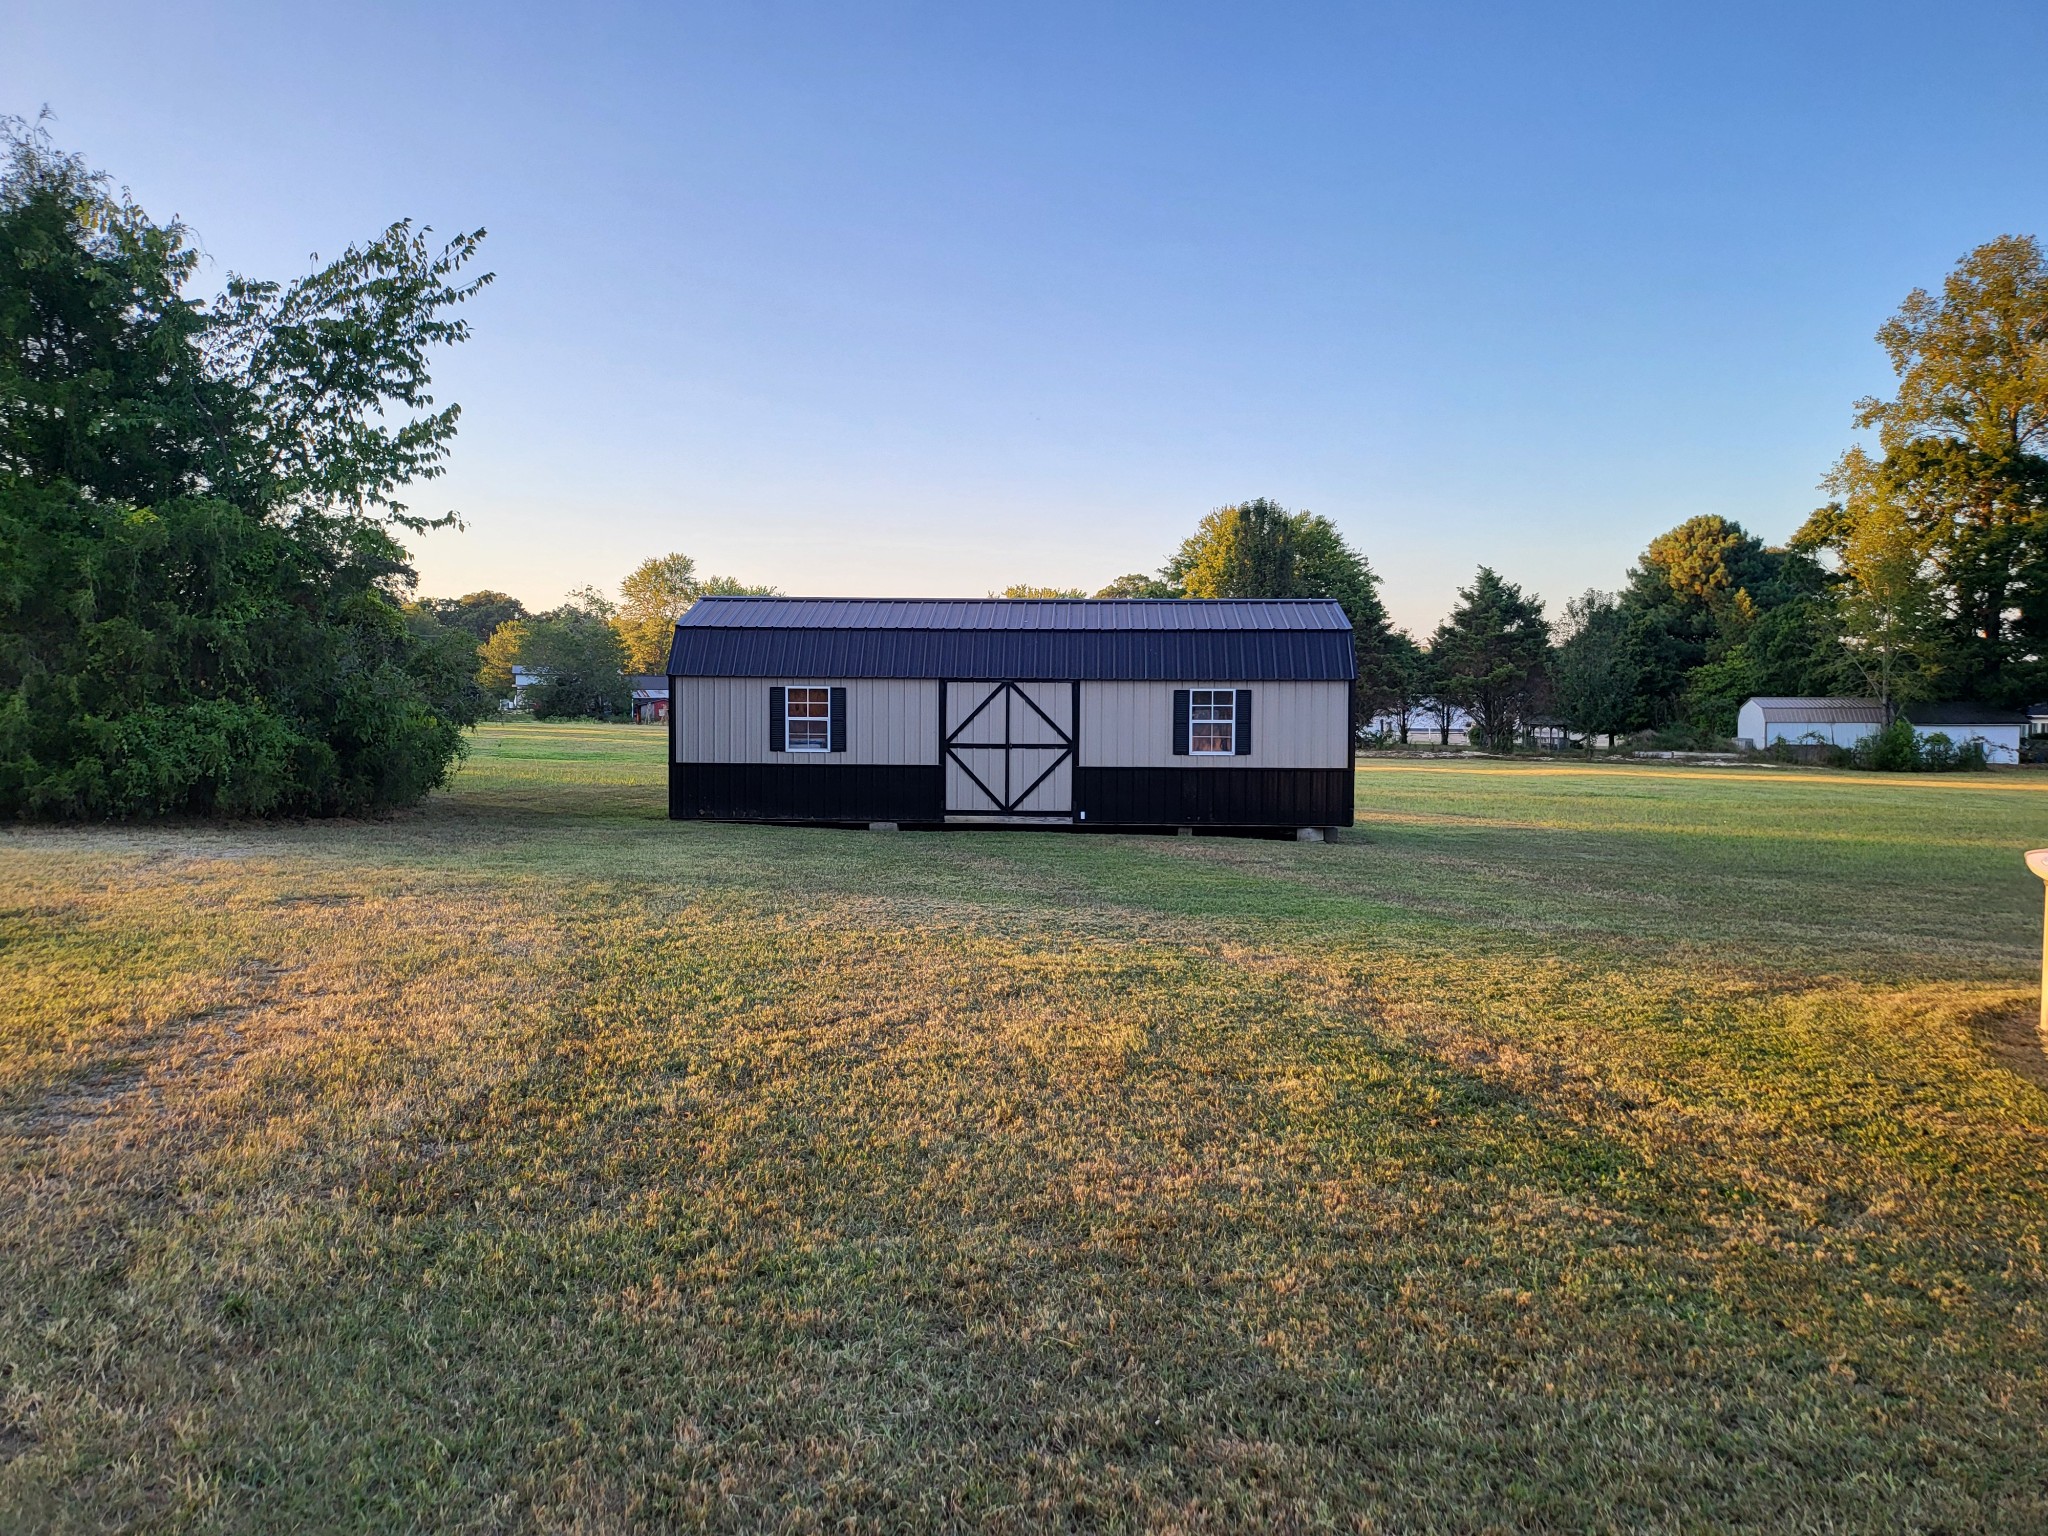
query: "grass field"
1609, 1148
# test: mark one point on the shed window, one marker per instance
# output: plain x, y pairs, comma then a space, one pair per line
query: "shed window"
810, 720
1212, 721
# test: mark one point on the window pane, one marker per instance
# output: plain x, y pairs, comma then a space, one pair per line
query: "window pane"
807, 716
1212, 715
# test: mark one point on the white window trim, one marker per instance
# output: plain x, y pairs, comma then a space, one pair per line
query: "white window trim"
789, 742
1223, 751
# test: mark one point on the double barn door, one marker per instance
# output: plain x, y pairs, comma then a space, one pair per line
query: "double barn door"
1009, 750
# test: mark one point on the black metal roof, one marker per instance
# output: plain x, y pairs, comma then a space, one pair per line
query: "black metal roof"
1963, 714
1095, 639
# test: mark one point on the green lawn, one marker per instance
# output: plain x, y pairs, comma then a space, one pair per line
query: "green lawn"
1608, 1148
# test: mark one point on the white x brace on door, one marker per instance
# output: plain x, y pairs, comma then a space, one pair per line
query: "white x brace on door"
1009, 750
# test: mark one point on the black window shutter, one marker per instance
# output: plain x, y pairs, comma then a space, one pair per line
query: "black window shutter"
1244, 722
778, 719
1180, 722
838, 719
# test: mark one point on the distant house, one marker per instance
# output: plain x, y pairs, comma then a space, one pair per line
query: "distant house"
650, 697
2001, 730
1842, 722
523, 678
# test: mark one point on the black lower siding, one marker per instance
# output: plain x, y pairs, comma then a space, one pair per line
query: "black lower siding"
1110, 797
804, 792
1215, 797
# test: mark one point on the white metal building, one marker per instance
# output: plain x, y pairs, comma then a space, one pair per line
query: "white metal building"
1842, 722
2001, 730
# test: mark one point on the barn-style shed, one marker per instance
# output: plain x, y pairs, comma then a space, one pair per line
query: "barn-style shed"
1082, 713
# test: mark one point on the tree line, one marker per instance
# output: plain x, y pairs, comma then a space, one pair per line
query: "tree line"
1924, 575
581, 654
206, 605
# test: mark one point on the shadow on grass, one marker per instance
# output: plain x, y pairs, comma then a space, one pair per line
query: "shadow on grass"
2012, 1037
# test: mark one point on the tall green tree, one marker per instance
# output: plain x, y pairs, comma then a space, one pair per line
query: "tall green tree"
1327, 566
1245, 550
654, 595
1703, 611
1891, 615
200, 589
498, 655
1407, 682
476, 614
1260, 549
581, 660
1491, 656
1137, 584
1593, 670
657, 593
1963, 459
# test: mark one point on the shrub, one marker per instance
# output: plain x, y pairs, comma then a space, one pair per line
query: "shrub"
199, 582
1810, 749
1898, 748
1937, 752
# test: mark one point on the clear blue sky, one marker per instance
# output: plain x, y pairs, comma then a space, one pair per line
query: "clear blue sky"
932, 298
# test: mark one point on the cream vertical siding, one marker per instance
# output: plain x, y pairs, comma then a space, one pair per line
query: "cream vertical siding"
1294, 725
725, 720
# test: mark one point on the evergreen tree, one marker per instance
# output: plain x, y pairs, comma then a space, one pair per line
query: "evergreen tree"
1491, 656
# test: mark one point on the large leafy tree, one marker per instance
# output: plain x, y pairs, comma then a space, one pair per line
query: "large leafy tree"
199, 580
1138, 584
499, 654
657, 593
1709, 610
477, 614
1490, 657
1962, 464
1891, 618
1245, 550
1792, 648
1260, 549
1594, 679
581, 660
